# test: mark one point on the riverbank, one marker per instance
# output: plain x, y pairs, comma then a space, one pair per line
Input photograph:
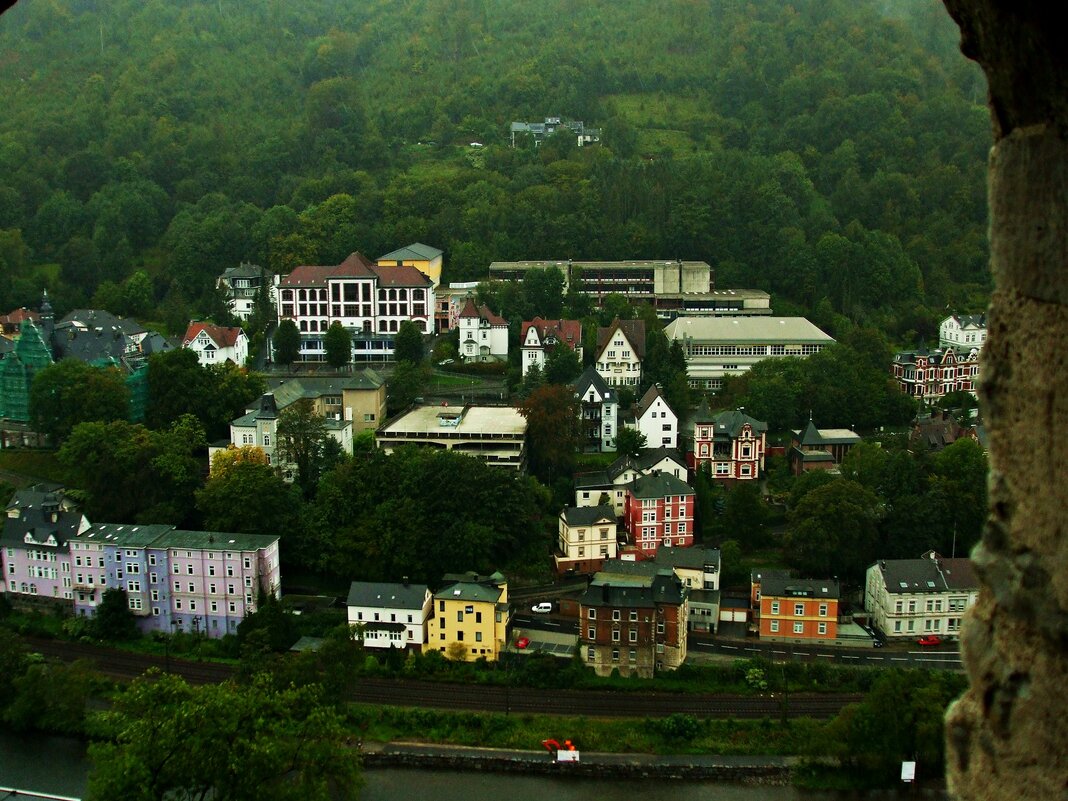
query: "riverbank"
770, 770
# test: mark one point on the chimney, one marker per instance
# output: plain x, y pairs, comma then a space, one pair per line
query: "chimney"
604, 592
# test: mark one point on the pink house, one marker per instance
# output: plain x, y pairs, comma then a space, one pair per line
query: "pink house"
39, 522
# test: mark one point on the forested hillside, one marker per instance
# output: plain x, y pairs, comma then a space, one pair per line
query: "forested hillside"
828, 149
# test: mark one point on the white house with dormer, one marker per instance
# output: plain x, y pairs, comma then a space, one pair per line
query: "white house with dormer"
483, 334
539, 337
964, 332
389, 615
598, 410
259, 427
216, 344
620, 351
653, 417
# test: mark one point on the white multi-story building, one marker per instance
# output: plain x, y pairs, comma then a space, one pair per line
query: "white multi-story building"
916, 597
620, 350
483, 334
538, 337
609, 486
370, 301
240, 285
216, 344
260, 428
599, 410
389, 615
718, 347
586, 538
653, 418
964, 332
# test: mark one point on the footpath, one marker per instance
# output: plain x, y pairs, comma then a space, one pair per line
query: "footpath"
749, 769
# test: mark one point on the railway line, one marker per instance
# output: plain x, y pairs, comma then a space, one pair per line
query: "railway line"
124, 665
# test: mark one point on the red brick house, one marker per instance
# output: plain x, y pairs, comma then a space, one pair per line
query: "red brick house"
732, 443
658, 510
637, 627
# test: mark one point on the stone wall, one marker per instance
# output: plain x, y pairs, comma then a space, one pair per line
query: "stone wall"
1008, 735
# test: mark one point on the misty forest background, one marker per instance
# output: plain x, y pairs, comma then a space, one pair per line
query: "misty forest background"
830, 152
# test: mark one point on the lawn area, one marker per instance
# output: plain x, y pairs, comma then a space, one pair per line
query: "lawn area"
452, 381
678, 734
33, 464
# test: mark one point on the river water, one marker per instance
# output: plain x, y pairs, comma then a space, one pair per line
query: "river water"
58, 765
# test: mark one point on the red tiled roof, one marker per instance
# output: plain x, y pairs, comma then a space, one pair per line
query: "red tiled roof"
222, 336
355, 266
16, 317
566, 331
482, 312
401, 275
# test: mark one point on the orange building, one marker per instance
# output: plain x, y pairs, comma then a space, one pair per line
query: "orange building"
799, 610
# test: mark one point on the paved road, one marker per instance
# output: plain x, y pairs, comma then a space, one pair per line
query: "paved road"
898, 655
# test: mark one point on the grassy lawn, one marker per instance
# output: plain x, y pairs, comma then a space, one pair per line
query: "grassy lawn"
33, 464
678, 734
451, 381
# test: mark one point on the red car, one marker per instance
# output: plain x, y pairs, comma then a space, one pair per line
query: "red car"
522, 642
929, 640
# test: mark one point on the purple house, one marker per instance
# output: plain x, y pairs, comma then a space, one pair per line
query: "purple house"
39, 523
196, 581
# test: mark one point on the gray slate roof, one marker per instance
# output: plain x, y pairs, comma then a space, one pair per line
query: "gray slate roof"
728, 425
590, 377
35, 505
659, 486
929, 573
471, 587
386, 595
798, 588
414, 252
660, 589
588, 515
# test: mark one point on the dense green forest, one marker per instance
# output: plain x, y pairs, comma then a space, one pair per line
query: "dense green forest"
821, 150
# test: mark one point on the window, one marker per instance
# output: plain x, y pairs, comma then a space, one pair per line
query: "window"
152, 559
823, 610
189, 569
799, 627
775, 607
774, 626
132, 586
590, 654
591, 633
633, 615
615, 654
633, 635
177, 586
592, 614
799, 609
615, 636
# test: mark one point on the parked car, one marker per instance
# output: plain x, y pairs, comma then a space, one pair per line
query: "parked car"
443, 362
522, 642
877, 643
542, 608
929, 640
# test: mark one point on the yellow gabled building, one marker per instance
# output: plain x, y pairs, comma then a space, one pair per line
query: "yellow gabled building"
424, 258
469, 620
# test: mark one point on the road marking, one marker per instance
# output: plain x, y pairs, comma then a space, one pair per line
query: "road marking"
826, 656
800, 653
850, 657
754, 650
778, 652
898, 659
730, 647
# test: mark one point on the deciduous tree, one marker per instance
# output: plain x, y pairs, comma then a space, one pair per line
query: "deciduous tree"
286, 342
408, 344
301, 437
554, 432
221, 741
338, 345
70, 392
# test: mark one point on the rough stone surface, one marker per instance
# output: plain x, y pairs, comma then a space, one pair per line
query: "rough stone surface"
1007, 738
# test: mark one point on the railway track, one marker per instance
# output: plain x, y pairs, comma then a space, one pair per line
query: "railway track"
124, 665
